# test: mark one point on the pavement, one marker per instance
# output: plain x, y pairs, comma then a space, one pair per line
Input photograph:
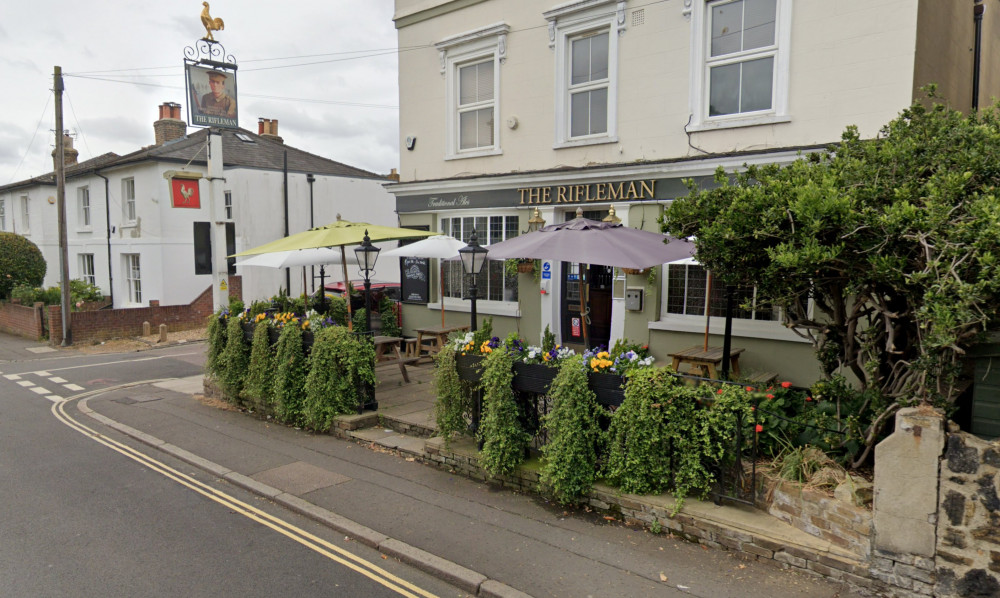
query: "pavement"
377, 490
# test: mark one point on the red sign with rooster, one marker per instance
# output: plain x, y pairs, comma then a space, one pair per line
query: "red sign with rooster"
184, 193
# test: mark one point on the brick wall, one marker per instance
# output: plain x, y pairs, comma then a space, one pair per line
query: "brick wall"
22, 320
102, 325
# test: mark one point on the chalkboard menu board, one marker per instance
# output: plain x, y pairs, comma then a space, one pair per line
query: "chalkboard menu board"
415, 280
413, 272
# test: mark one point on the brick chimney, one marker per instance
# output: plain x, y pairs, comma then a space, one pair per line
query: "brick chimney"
268, 128
170, 125
69, 154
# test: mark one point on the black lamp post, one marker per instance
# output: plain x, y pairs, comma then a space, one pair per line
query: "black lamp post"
473, 259
367, 254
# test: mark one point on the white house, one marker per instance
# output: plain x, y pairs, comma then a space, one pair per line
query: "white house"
510, 105
127, 236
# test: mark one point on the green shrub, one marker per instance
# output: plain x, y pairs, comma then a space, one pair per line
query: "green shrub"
454, 400
79, 291
337, 310
290, 376
389, 317
256, 308
360, 323
574, 434
341, 363
504, 439
258, 391
236, 306
25, 294
232, 363
21, 263
216, 343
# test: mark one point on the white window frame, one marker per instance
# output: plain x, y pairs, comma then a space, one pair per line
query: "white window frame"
128, 201
133, 278
87, 272
742, 327
25, 215
3, 213
466, 49
484, 305
573, 21
228, 204
701, 62
83, 208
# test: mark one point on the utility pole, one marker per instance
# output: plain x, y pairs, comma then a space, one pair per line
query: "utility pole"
60, 164
220, 267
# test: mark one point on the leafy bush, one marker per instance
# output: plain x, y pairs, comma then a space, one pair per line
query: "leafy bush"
258, 307
21, 263
258, 390
389, 316
337, 310
574, 434
216, 342
236, 306
232, 363
341, 363
500, 432
79, 291
290, 376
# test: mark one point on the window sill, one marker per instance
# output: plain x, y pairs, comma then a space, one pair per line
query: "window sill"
737, 122
584, 142
742, 328
493, 151
489, 308
84, 230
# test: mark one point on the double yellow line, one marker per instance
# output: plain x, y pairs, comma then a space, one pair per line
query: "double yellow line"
319, 545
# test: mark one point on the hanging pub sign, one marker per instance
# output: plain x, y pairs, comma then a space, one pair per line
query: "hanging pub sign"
211, 97
184, 193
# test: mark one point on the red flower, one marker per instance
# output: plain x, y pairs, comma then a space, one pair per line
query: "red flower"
786, 384
749, 389
809, 398
770, 396
752, 408
718, 392
759, 428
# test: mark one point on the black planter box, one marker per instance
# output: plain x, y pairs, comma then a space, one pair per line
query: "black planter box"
609, 388
470, 367
273, 334
534, 377
248, 331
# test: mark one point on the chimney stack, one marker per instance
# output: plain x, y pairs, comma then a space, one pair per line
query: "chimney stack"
170, 125
69, 154
268, 128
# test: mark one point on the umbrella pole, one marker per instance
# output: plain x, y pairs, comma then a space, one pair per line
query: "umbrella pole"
347, 288
441, 282
583, 311
708, 306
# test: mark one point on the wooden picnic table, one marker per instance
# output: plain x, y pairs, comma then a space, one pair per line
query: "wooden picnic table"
390, 344
707, 360
437, 337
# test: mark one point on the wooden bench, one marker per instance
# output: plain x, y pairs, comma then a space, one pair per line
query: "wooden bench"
387, 343
763, 378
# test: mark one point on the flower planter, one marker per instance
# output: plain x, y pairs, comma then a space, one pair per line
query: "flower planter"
526, 267
273, 334
534, 377
307, 340
609, 388
470, 367
248, 331
636, 271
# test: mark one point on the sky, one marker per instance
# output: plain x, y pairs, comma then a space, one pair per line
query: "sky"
325, 69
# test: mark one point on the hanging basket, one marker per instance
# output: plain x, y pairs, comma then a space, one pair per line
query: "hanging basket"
526, 267
636, 271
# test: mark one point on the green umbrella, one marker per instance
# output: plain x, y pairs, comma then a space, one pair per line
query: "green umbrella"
338, 234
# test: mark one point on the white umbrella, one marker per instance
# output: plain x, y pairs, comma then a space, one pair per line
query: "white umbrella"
439, 246
318, 256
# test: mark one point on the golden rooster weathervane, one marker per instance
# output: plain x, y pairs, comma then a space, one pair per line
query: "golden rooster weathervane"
210, 23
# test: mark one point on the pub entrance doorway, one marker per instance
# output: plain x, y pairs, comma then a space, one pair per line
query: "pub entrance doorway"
597, 284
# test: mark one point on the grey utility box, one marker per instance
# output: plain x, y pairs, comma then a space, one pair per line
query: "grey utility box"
633, 299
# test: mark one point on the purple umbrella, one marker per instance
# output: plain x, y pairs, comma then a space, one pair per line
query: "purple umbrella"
594, 242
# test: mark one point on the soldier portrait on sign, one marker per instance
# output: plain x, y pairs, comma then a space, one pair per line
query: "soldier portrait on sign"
212, 94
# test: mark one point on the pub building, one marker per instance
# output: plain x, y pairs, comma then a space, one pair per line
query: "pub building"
663, 306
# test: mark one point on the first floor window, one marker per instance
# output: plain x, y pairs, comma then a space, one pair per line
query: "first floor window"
3, 214
229, 204
83, 200
87, 268
476, 105
133, 278
25, 214
492, 283
588, 85
686, 294
128, 200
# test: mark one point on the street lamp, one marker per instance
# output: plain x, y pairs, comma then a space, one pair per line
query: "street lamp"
536, 222
367, 254
473, 258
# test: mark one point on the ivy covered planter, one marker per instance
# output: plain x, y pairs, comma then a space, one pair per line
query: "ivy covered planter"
248, 328
534, 377
470, 367
609, 388
308, 338
273, 334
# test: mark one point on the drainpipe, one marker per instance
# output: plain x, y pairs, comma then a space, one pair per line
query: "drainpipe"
288, 271
312, 269
977, 17
107, 221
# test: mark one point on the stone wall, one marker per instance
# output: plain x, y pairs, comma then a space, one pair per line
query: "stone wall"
832, 518
968, 539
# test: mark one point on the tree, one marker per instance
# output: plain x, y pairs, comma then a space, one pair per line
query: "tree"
21, 263
894, 240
